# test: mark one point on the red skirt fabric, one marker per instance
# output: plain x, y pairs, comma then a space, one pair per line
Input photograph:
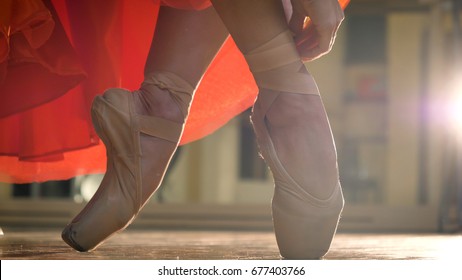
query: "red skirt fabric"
57, 55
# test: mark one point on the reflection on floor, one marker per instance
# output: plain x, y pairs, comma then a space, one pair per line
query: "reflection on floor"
212, 245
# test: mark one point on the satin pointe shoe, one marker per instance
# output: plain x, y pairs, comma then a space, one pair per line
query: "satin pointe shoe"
122, 194
304, 225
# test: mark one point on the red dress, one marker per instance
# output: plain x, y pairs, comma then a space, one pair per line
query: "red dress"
56, 55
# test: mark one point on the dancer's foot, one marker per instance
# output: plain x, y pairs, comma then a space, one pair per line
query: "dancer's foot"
132, 141
300, 131
305, 207
141, 130
295, 139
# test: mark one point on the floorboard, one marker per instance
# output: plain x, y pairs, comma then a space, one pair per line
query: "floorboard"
231, 245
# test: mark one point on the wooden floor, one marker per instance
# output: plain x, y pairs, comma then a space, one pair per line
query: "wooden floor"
231, 245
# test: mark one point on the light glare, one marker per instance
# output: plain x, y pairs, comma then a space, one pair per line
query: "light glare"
455, 107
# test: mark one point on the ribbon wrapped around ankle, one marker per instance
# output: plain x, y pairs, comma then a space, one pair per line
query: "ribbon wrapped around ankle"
277, 65
180, 90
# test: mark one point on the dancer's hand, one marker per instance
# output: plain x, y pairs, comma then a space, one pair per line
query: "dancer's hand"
325, 16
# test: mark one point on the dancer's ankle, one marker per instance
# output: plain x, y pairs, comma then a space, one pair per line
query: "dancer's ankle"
153, 101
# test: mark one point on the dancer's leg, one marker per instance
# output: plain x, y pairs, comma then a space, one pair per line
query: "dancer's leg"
141, 130
300, 151
296, 121
184, 43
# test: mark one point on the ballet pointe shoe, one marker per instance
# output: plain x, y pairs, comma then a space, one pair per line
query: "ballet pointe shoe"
304, 225
121, 196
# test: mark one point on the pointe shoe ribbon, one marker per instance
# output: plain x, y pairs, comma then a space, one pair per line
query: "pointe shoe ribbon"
282, 71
